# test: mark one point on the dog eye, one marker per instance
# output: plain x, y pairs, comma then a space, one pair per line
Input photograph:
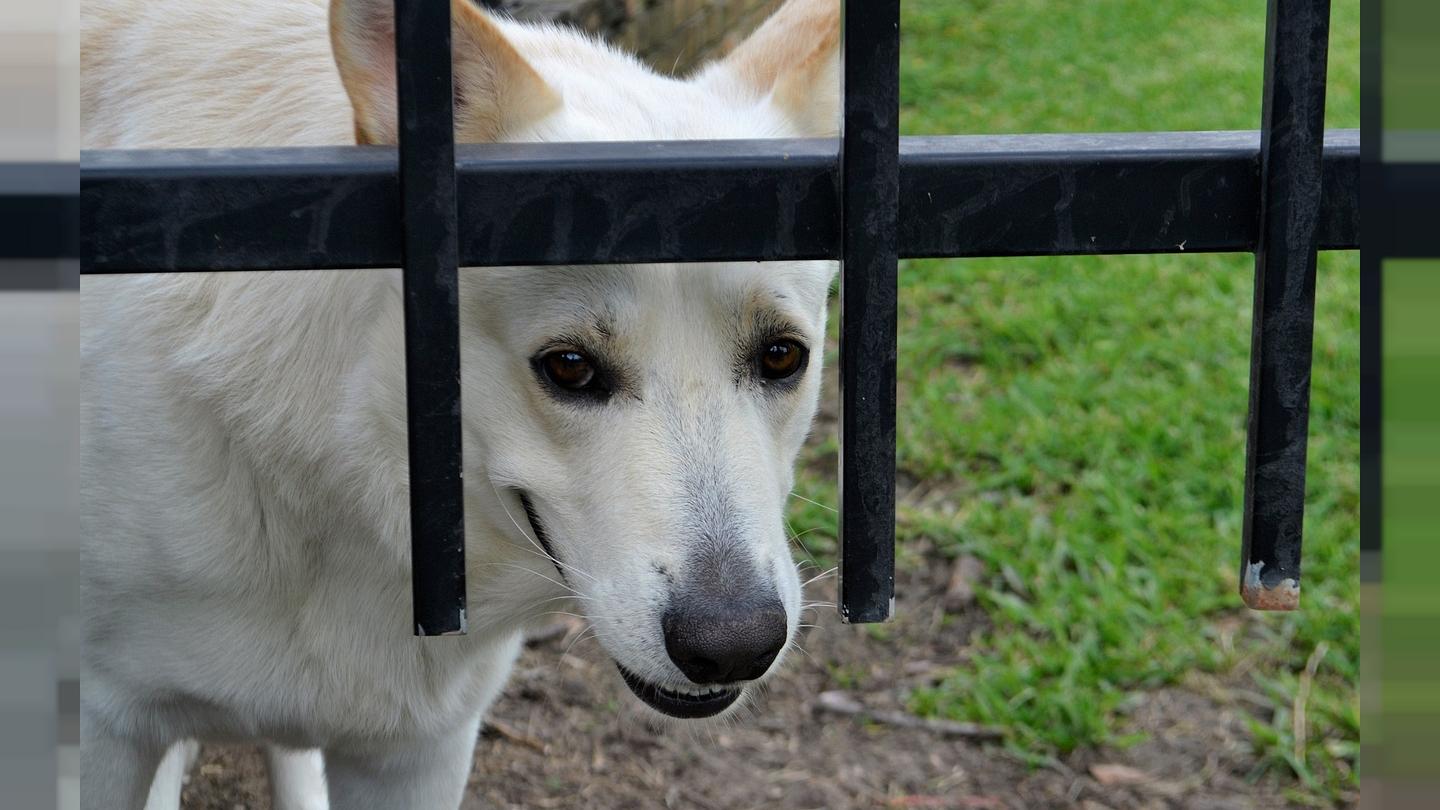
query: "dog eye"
781, 359
568, 369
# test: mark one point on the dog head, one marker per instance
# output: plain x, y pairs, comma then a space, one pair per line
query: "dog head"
638, 425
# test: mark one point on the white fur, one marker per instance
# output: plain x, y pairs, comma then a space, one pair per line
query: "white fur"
244, 473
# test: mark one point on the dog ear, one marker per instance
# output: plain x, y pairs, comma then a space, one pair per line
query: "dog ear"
496, 89
794, 57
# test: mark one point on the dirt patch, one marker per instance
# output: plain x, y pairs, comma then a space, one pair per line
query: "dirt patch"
567, 734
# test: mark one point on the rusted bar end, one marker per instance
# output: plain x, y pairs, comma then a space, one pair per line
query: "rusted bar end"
1283, 595
845, 617
463, 628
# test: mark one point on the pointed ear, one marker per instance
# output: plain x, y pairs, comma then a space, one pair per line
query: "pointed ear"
496, 89
794, 57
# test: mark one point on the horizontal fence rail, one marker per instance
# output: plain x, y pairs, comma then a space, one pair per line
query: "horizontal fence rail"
604, 203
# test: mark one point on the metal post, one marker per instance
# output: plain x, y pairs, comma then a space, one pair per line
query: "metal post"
432, 314
1292, 128
870, 194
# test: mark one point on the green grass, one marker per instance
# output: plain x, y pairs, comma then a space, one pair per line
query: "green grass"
1089, 413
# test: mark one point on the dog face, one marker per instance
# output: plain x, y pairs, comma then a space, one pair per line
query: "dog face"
646, 420
638, 424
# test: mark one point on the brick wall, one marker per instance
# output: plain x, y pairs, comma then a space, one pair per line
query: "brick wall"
674, 36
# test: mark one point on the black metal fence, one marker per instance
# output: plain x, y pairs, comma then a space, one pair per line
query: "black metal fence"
1283, 192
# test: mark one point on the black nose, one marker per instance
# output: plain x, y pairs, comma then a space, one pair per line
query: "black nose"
724, 640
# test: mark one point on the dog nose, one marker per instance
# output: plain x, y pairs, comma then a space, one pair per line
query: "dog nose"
722, 641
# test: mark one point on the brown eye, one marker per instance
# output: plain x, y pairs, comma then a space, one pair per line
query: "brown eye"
781, 359
568, 369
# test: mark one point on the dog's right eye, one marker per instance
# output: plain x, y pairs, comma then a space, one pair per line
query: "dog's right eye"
568, 369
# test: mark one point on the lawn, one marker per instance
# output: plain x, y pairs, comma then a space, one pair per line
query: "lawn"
1086, 416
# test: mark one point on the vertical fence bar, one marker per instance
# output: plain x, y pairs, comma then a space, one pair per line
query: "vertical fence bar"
870, 189
432, 314
1292, 128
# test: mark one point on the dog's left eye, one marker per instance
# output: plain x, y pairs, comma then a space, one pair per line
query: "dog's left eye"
568, 369
782, 359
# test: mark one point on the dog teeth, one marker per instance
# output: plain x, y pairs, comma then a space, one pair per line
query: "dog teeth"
684, 692
695, 691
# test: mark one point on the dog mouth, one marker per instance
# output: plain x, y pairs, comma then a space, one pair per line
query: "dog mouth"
687, 705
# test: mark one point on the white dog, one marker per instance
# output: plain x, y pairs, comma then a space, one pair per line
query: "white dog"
629, 431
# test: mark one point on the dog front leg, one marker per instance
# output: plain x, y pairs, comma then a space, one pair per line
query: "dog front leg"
429, 774
297, 779
170, 776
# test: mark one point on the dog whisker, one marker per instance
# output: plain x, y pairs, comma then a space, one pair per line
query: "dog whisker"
539, 602
539, 549
589, 632
527, 569
820, 576
801, 543
578, 616
794, 644
797, 535
817, 503
569, 569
